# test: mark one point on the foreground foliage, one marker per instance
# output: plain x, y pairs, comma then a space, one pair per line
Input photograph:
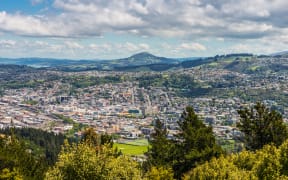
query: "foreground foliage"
159, 173
194, 145
191, 154
267, 163
17, 162
40, 143
93, 158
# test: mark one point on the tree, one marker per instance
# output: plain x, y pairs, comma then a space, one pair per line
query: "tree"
160, 152
42, 144
18, 162
91, 137
269, 162
261, 126
195, 143
7, 174
159, 173
84, 161
284, 158
221, 168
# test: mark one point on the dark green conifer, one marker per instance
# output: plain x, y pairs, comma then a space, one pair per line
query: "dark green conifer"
160, 154
261, 126
195, 143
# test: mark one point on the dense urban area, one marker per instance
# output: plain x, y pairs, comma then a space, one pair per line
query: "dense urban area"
127, 103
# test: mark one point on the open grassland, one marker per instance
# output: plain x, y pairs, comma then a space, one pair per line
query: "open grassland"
135, 147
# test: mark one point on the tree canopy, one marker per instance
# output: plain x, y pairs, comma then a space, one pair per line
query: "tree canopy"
261, 126
91, 137
161, 149
194, 145
269, 162
83, 161
17, 162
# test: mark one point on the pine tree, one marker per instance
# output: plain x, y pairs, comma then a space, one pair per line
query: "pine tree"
261, 126
195, 144
160, 155
16, 160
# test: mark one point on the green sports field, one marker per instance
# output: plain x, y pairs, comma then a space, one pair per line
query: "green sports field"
135, 147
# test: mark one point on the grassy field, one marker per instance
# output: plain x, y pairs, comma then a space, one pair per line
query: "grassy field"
213, 64
135, 147
254, 68
228, 146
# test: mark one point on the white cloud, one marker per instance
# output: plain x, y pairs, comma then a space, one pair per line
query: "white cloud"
7, 43
250, 27
73, 45
32, 48
166, 46
97, 16
185, 20
123, 48
138, 8
130, 47
190, 18
239, 48
144, 46
101, 47
193, 46
19, 24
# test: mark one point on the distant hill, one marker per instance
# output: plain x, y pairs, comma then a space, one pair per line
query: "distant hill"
242, 62
145, 58
140, 59
249, 64
282, 53
12, 68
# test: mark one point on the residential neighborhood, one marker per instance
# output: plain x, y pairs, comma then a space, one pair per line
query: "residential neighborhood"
128, 110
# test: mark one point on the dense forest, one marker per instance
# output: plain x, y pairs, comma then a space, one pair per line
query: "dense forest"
41, 143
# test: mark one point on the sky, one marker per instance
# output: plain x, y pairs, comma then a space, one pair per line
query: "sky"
111, 29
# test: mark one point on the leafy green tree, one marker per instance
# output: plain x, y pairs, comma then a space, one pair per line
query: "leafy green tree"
91, 137
159, 173
7, 174
84, 161
261, 126
268, 163
221, 168
284, 158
